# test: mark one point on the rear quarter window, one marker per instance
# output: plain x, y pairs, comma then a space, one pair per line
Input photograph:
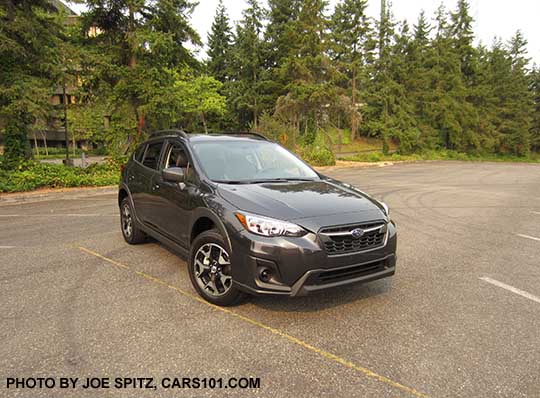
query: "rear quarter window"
151, 155
139, 152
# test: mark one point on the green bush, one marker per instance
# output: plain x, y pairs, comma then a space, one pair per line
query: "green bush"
408, 141
32, 175
276, 130
317, 155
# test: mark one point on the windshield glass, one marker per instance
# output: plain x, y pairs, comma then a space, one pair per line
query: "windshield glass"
243, 161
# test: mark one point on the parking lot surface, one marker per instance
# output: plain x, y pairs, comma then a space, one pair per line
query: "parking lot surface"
460, 318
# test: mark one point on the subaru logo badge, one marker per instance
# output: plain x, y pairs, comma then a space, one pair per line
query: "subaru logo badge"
357, 233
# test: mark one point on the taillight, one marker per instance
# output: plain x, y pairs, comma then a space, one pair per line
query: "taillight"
122, 168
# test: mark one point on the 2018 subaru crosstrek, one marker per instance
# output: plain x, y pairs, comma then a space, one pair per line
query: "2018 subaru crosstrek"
252, 217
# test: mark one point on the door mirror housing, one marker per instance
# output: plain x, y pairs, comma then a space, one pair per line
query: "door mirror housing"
173, 174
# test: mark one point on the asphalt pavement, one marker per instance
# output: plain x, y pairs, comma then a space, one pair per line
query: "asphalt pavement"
461, 317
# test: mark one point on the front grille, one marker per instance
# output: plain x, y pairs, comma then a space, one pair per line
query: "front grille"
339, 240
349, 273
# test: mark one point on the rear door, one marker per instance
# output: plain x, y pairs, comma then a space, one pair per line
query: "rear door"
141, 186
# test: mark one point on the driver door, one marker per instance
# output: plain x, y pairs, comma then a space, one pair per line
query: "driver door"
176, 200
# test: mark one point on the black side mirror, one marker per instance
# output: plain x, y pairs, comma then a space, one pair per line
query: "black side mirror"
173, 174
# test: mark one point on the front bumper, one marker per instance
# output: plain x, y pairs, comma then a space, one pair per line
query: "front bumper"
299, 266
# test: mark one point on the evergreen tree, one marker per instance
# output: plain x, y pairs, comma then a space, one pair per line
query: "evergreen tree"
311, 89
279, 40
352, 47
421, 77
379, 92
399, 121
142, 59
219, 45
492, 66
535, 125
279, 33
519, 106
451, 115
30, 36
463, 36
248, 65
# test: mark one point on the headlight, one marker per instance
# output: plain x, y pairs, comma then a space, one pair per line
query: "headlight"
386, 209
268, 226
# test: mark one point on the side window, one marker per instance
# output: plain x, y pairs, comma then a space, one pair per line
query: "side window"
139, 152
177, 157
151, 156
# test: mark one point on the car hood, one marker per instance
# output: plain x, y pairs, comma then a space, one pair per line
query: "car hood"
311, 204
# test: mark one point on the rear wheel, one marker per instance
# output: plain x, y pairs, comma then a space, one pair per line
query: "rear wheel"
130, 230
210, 269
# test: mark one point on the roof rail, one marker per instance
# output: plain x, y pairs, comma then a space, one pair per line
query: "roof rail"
248, 133
157, 133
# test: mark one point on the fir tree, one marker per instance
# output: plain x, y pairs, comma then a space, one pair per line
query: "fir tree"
248, 64
309, 71
519, 102
29, 68
219, 45
463, 36
143, 44
279, 34
535, 125
352, 47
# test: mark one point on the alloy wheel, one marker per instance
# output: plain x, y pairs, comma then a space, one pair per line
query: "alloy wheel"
212, 269
127, 221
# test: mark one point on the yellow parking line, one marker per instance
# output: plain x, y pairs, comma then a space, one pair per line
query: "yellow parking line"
292, 339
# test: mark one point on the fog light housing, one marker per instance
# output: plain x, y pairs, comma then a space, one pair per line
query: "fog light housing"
267, 272
265, 275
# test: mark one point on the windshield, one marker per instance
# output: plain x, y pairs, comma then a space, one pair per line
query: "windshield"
244, 161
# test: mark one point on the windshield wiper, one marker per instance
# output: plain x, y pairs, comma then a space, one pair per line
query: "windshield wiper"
262, 181
284, 179
296, 179
232, 181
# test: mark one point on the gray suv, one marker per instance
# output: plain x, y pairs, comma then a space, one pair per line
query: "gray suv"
251, 217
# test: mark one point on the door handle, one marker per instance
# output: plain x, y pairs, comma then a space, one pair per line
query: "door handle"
155, 187
131, 177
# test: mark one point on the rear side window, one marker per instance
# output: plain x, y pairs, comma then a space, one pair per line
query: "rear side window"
151, 156
139, 152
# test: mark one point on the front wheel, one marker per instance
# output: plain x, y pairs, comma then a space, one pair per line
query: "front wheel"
210, 270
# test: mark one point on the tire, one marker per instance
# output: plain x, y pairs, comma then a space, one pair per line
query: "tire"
130, 229
210, 270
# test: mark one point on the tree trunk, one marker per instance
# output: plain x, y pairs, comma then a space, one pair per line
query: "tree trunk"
255, 116
203, 120
44, 135
354, 122
385, 146
131, 35
45, 142
35, 144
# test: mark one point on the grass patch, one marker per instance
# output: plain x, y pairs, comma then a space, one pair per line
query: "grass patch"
32, 175
342, 142
440, 155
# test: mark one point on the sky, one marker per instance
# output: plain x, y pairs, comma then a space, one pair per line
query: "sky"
493, 18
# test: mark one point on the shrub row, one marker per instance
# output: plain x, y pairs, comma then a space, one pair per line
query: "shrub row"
32, 175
